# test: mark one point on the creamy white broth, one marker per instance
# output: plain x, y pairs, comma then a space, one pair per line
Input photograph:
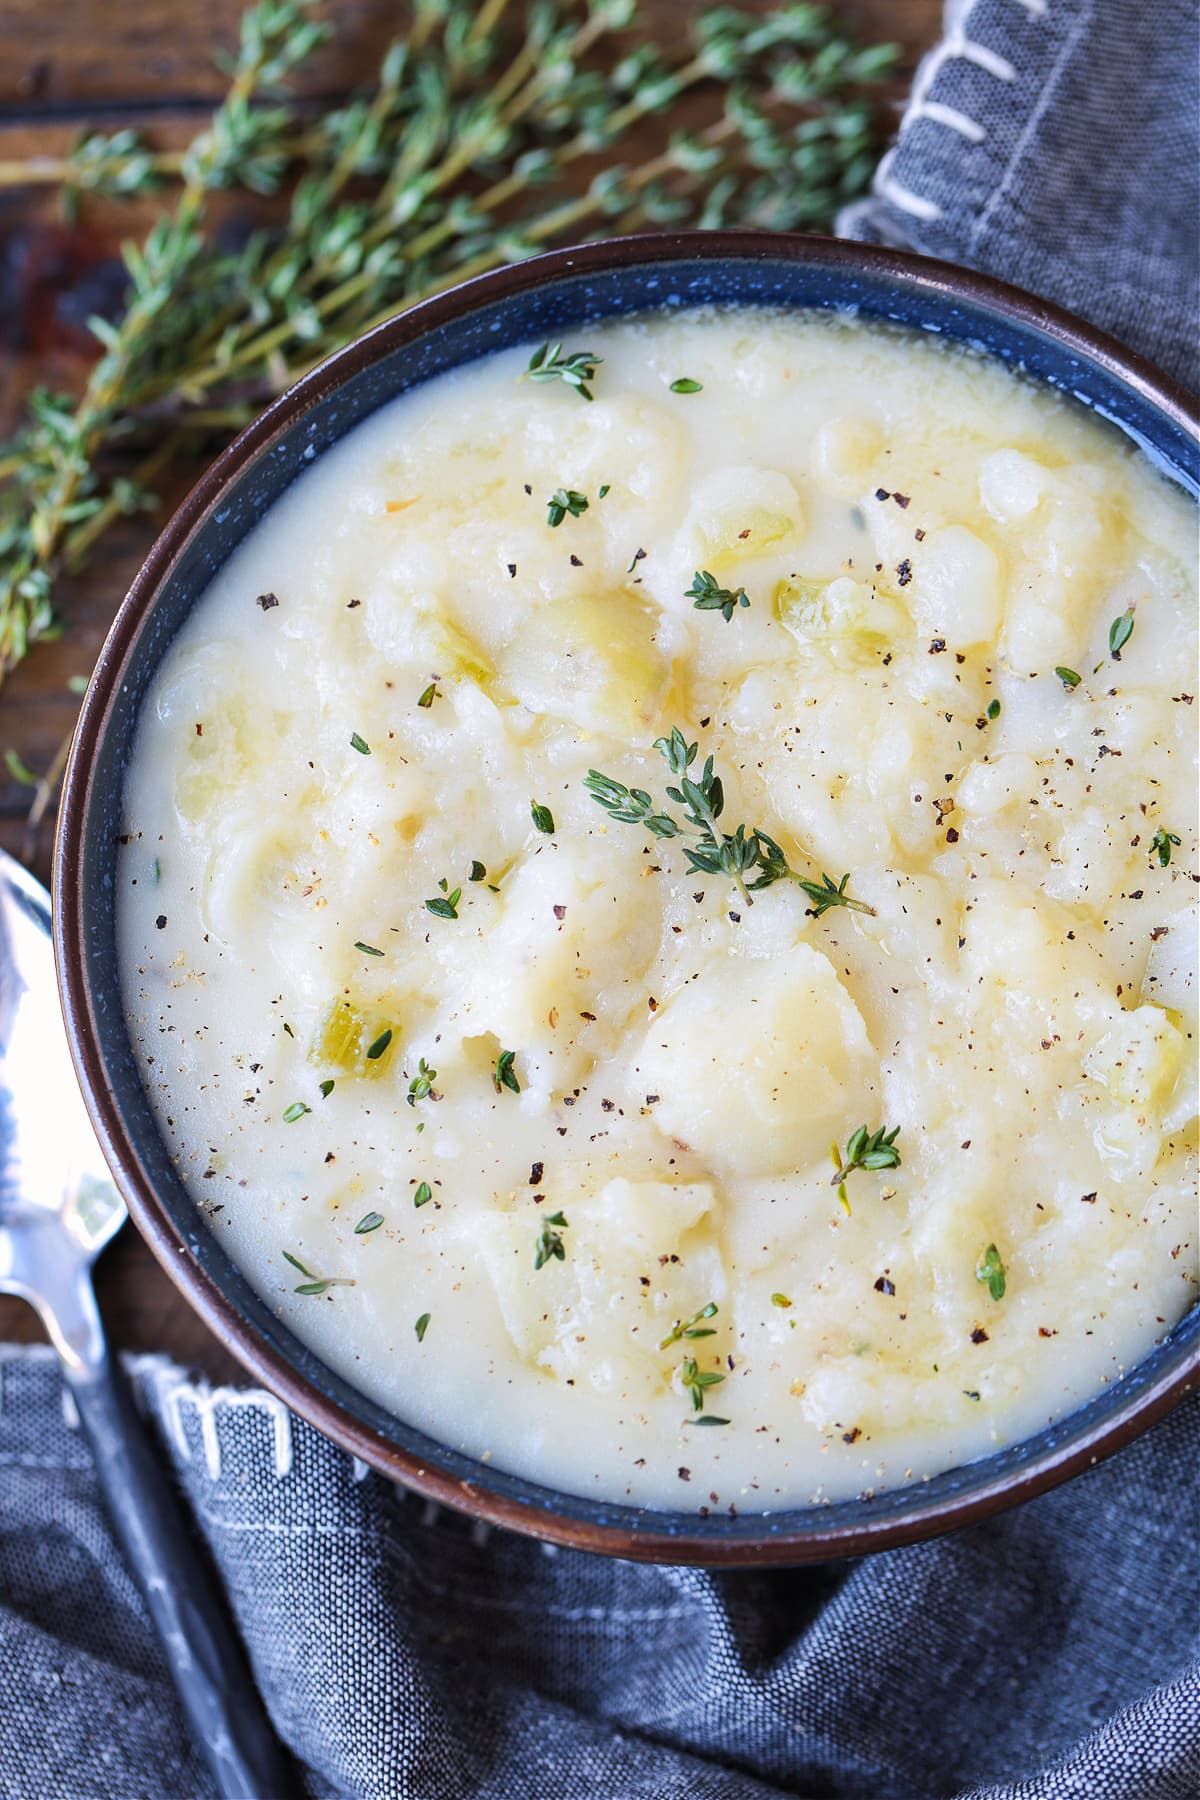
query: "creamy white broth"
920, 535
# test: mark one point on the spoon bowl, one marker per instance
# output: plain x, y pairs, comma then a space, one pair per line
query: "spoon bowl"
59, 1205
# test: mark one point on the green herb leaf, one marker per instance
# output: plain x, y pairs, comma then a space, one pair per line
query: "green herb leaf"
562, 502
368, 949
1119, 633
733, 854
295, 1111
478, 872
359, 744
691, 1328
1160, 845
314, 1284
422, 1194
369, 1222
696, 1380
422, 1326
780, 1300
381, 1043
685, 385
542, 817
603, 490
706, 1419
504, 1074
707, 595
578, 368
1068, 677
864, 1150
444, 906
549, 1244
421, 1085
990, 1269
326, 1089
993, 711
429, 696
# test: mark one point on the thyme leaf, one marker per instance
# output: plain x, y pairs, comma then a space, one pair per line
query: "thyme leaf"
1119, 633
562, 502
549, 1244
990, 1270
576, 369
695, 1381
314, 1285
1160, 845
865, 1149
691, 1328
707, 595
369, 1222
421, 1085
444, 906
504, 1074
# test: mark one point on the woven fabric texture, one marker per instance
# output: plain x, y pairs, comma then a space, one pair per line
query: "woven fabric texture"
1056, 144
406, 1655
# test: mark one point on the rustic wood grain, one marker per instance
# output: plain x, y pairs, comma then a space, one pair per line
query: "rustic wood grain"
72, 64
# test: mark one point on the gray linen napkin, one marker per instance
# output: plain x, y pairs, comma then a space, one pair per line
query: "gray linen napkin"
1054, 143
405, 1653
1048, 1655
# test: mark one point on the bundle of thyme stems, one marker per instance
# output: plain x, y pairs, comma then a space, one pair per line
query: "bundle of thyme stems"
494, 129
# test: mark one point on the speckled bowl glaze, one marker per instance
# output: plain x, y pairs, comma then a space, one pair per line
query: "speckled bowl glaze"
555, 295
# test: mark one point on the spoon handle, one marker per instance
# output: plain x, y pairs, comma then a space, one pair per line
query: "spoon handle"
208, 1667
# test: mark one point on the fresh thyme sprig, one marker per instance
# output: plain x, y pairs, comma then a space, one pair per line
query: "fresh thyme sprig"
421, 1085
315, 1284
445, 169
735, 854
576, 369
562, 502
865, 1149
707, 595
693, 1327
695, 1381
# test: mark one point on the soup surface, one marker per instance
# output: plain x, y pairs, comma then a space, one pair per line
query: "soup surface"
503, 1036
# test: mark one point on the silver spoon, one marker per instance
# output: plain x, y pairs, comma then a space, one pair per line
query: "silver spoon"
58, 1209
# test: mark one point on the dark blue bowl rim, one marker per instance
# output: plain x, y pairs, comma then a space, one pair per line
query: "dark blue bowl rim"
201, 1270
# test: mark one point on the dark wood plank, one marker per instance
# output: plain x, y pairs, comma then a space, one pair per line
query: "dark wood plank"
89, 61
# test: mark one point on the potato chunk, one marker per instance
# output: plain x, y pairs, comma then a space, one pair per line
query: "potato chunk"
759, 1063
590, 661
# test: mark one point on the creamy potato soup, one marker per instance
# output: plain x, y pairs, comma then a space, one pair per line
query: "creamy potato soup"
659, 927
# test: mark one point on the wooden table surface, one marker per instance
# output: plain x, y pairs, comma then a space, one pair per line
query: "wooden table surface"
104, 63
